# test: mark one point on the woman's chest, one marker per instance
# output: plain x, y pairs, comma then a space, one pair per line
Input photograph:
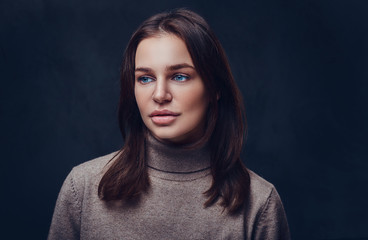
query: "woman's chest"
169, 210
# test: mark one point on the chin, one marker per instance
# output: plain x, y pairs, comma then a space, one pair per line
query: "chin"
176, 137
166, 137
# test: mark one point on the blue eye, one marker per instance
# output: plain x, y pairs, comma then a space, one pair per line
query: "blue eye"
145, 79
180, 78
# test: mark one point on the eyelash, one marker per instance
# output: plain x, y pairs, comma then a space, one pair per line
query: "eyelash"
148, 79
181, 75
141, 79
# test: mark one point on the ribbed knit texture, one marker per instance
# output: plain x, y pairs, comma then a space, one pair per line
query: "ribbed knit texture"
171, 209
175, 163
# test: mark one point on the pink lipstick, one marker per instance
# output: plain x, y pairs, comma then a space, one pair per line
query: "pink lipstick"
163, 117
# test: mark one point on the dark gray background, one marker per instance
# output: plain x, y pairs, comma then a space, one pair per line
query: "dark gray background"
301, 66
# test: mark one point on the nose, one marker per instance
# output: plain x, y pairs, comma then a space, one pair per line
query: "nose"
161, 92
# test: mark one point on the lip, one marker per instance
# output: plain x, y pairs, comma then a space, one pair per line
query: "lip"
163, 112
163, 117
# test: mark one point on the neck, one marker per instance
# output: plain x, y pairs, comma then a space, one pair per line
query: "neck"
173, 160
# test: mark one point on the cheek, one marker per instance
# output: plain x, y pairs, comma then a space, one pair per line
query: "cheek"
196, 103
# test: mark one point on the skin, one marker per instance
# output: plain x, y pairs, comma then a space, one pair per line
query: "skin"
166, 81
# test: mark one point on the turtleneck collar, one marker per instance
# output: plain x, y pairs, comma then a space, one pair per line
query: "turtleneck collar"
173, 162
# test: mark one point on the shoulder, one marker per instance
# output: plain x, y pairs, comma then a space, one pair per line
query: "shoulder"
92, 168
88, 174
266, 215
262, 193
80, 185
259, 187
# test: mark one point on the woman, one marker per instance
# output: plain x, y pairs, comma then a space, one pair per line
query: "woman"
179, 173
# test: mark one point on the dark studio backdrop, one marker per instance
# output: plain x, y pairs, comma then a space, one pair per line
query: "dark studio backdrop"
301, 67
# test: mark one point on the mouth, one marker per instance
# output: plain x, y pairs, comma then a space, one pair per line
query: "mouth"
163, 117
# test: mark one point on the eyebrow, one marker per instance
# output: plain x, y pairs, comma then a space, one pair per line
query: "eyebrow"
168, 68
179, 66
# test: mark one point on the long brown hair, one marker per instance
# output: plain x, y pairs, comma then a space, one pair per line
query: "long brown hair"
127, 176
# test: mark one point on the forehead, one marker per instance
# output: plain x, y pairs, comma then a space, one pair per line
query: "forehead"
161, 51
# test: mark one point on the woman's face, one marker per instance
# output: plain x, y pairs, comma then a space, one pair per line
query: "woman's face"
170, 94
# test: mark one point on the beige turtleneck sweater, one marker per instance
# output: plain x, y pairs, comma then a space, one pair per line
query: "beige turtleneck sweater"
171, 209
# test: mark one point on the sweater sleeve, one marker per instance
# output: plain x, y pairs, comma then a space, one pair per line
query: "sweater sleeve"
272, 223
65, 222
